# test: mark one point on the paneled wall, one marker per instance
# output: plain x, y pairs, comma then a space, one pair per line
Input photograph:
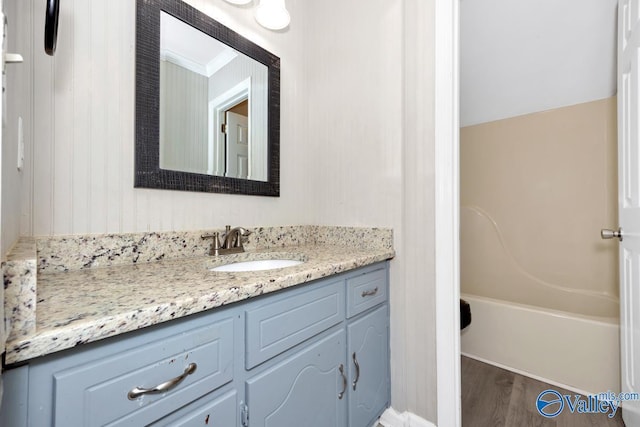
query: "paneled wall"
417, 247
184, 129
81, 162
81, 166
19, 93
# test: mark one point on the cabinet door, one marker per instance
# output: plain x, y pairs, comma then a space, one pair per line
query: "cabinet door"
302, 390
368, 367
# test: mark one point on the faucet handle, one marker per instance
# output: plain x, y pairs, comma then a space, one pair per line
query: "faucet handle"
216, 241
215, 245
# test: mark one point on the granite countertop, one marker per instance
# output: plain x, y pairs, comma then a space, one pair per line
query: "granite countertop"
82, 306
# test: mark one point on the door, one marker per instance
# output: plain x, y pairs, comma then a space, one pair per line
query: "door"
307, 389
368, 367
237, 134
629, 202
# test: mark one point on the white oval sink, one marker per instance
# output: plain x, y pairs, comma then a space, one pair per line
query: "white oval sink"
259, 265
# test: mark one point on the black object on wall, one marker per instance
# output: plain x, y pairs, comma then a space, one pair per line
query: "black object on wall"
148, 173
465, 314
51, 26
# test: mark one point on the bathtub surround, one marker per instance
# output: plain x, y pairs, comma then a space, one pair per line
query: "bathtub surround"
535, 192
86, 303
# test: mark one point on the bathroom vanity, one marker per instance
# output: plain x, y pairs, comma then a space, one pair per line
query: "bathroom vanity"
312, 353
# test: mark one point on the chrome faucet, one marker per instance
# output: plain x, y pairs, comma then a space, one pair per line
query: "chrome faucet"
232, 241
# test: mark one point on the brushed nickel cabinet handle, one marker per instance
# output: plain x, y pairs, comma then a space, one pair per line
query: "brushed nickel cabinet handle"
355, 362
165, 386
344, 382
370, 292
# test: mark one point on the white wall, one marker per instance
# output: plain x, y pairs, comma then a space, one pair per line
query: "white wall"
356, 144
524, 56
83, 124
417, 247
369, 92
83, 132
184, 121
18, 103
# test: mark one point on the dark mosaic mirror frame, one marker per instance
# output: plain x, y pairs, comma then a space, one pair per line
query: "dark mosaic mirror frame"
147, 146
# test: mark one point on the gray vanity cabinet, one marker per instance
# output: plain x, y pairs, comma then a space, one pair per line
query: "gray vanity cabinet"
367, 345
207, 411
92, 386
368, 353
306, 389
317, 384
312, 355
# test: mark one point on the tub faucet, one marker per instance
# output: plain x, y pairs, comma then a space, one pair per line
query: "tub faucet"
231, 243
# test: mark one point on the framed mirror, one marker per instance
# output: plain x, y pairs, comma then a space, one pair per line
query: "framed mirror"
207, 105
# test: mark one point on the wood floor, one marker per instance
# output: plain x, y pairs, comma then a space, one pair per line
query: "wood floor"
494, 397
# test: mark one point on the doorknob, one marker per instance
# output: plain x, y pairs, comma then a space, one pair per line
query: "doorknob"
605, 233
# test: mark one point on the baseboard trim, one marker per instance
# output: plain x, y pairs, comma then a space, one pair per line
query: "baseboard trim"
391, 418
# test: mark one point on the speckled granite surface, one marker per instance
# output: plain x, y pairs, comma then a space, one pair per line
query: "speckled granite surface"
64, 253
85, 304
20, 298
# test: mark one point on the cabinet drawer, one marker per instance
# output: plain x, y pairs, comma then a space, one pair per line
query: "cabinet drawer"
277, 326
207, 411
365, 291
97, 393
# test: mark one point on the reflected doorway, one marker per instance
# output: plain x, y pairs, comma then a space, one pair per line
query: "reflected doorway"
236, 130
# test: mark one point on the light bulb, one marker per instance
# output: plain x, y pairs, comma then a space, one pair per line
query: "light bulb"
272, 14
239, 1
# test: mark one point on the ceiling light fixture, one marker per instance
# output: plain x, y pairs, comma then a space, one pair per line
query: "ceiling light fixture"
271, 14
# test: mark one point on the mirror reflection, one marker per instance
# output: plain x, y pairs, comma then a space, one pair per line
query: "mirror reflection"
213, 105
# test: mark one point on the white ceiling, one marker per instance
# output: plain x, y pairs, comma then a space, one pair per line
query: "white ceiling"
191, 48
524, 56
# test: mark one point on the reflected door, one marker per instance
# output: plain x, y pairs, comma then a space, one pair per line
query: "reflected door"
629, 202
237, 144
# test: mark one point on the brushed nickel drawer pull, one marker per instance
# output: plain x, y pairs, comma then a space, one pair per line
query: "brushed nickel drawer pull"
370, 292
355, 362
165, 386
344, 382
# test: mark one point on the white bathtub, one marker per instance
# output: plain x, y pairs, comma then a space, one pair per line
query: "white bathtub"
573, 351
